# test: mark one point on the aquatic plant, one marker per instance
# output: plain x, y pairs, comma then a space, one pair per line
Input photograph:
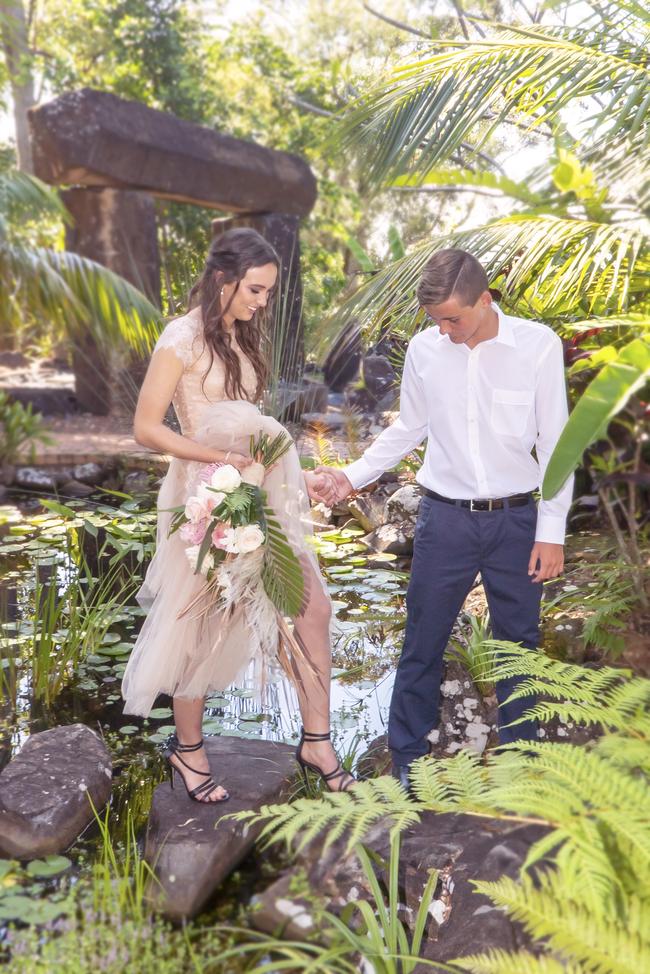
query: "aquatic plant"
69, 622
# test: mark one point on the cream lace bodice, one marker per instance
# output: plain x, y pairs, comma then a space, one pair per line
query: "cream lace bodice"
185, 337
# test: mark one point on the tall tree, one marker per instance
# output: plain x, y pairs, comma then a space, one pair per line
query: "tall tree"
14, 26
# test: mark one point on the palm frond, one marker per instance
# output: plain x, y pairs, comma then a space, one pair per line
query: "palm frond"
24, 196
442, 176
78, 295
556, 266
282, 574
418, 116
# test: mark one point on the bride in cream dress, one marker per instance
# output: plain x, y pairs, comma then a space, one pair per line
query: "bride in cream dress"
210, 363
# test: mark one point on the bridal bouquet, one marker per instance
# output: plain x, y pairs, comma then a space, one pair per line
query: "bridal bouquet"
233, 538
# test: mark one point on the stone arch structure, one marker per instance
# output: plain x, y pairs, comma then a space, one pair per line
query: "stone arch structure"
114, 156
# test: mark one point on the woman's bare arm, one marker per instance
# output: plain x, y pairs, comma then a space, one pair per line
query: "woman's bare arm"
164, 372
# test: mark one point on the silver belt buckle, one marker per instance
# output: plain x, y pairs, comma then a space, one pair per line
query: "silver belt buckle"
472, 508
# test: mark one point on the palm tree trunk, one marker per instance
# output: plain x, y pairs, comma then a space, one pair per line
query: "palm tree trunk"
16, 47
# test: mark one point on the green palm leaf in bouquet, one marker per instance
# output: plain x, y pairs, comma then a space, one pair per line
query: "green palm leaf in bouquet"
282, 574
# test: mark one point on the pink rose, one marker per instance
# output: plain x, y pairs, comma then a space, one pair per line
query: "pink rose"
194, 509
219, 535
206, 472
193, 532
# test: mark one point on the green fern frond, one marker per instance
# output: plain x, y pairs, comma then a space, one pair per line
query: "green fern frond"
547, 911
628, 753
608, 696
297, 824
501, 962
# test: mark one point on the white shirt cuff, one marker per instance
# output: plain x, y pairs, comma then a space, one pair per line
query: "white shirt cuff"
360, 473
550, 529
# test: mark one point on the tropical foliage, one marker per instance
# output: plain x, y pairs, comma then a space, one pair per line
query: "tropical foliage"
583, 892
578, 241
20, 429
72, 293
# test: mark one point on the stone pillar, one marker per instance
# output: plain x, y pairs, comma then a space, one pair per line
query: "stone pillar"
116, 228
282, 231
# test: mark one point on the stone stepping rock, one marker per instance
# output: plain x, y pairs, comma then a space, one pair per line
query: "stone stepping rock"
189, 855
460, 847
44, 791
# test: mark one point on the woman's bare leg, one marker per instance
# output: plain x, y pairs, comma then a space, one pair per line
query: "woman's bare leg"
188, 717
313, 682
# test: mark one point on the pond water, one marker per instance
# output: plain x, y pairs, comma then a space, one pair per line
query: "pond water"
68, 576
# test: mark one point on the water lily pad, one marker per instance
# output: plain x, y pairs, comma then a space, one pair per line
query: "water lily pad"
157, 738
110, 638
7, 866
243, 693
218, 702
160, 713
30, 910
121, 649
212, 726
251, 726
129, 729
50, 866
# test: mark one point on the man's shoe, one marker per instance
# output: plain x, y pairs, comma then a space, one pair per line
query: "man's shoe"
403, 774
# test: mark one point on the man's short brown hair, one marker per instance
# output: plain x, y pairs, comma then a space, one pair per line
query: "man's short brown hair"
450, 272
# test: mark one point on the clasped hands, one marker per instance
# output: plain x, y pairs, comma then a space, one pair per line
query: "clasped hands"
327, 485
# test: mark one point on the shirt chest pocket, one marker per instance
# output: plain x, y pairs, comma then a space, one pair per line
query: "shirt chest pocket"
510, 410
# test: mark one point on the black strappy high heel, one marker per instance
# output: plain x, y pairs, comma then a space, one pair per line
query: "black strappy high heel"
173, 748
306, 736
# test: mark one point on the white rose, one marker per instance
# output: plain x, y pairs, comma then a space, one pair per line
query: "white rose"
228, 540
254, 474
208, 498
226, 478
194, 509
192, 555
248, 538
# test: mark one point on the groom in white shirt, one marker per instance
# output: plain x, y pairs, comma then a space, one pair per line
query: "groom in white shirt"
484, 389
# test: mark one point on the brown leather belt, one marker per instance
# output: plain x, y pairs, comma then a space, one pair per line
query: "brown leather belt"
486, 504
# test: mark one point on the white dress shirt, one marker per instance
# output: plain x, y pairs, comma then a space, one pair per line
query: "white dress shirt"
482, 410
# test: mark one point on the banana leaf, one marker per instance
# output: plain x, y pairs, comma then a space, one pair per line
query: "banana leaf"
603, 398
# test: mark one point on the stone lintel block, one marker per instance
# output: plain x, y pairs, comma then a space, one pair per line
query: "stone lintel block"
94, 138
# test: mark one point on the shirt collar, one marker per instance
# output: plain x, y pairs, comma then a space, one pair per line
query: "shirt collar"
505, 335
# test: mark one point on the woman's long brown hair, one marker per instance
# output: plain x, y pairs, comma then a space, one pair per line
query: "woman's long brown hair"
232, 254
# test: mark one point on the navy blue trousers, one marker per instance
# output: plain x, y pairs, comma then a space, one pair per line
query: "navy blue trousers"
452, 544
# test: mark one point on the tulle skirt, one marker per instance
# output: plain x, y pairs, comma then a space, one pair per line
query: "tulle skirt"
194, 653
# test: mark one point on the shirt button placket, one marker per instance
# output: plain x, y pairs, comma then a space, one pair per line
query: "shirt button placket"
472, 420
